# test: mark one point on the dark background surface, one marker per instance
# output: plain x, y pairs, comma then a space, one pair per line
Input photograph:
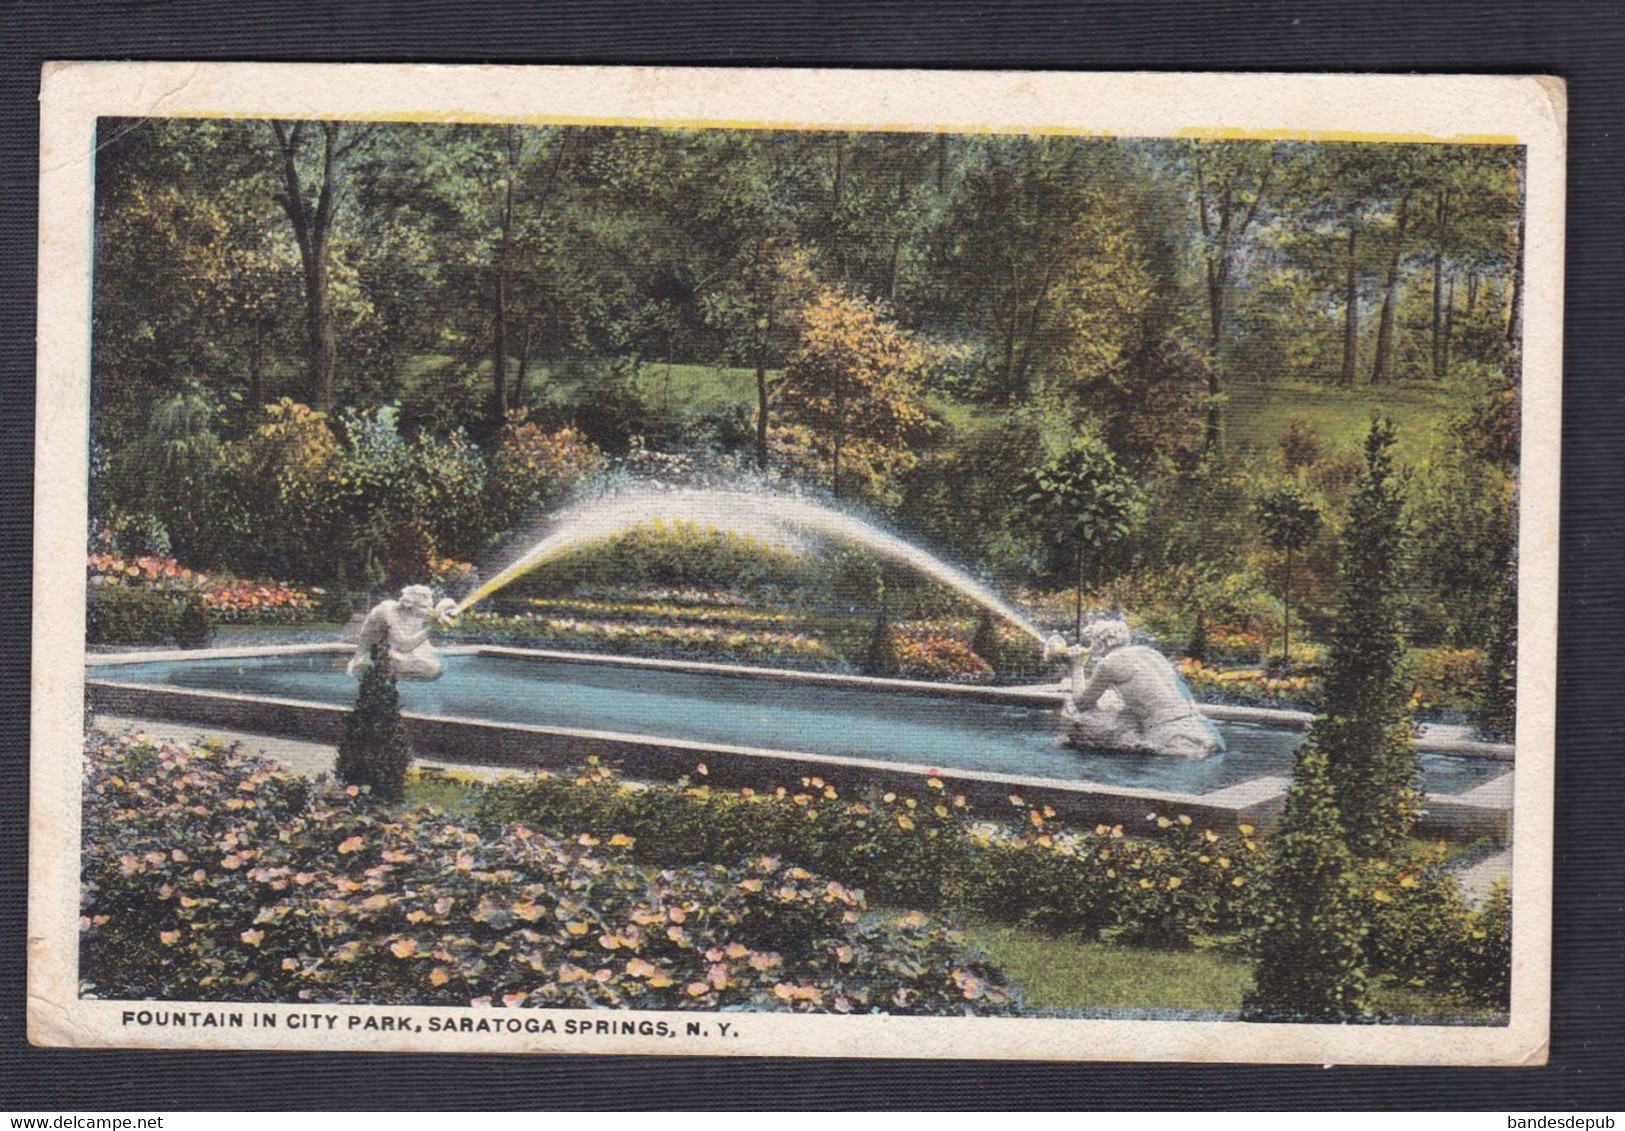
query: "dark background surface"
1579, 41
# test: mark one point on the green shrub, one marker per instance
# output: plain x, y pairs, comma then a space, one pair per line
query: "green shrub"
1175, 883
676, 553
374, 751
1484, 970
209, 876
1364, 725
881, 656
1424, 935
128, 614
192, 627
1445, 678
1310, 935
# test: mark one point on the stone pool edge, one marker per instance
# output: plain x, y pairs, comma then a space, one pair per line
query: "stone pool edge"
1042, 695
1258, 801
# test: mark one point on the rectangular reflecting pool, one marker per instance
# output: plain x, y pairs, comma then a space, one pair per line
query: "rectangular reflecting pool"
947, 732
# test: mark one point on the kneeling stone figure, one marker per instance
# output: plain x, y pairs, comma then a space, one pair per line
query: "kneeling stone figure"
1133, 699
403, 626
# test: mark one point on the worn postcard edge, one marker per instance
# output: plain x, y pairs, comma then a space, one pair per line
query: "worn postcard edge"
1528, 111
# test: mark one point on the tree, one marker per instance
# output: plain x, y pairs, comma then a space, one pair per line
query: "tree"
375, 751
1006, 244
1290, 520
1232, 180
310, 199
853, 382
1364, 726
1087, 505
1310, 938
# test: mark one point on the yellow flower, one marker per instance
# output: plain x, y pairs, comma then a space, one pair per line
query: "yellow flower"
903, 821
438, 976
1173, 882
621, 840
404, 948
252, 936
351, 844
169, 938
576, 929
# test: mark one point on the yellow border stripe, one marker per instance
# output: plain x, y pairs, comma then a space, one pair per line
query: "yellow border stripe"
1195, 133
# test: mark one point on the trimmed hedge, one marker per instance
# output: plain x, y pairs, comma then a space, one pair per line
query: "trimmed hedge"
118, 614
1166, 882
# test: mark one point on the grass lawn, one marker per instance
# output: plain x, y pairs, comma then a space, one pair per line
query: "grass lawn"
1257, 413
691, 389
1055, 972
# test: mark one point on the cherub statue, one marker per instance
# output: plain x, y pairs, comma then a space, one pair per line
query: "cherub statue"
402, 624
1131, 697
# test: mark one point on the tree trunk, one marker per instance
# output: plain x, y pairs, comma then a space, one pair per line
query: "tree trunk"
1449, 320
499, 290
1010, 352
312, 230
761, 410
1286, 612
1079, 607
1351, 315
1515, 313
1382, 366
522, 368
256, 380
1442, 214
897, 238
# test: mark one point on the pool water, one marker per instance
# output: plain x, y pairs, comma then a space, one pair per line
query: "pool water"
941, 732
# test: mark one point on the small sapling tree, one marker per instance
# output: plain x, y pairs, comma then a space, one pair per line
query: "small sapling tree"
1086, 504
1290, 520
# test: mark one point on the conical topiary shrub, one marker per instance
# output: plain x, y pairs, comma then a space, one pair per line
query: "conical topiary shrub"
881, 658
374, 751
192, 627
986, 642
1310, 937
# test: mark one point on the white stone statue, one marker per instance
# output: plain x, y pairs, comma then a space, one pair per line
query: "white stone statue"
403, 624
1131, 697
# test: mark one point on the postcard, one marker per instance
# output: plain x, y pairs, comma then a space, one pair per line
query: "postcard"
794, 562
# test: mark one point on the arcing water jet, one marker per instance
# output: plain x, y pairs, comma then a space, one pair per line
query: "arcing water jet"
757, 513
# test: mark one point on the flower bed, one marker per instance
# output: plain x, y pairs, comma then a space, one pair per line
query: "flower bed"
1170, 881
924, 654
1167, 881
1252, 687
664, 611
1445, 678
645, 639
208, 875
227, 601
